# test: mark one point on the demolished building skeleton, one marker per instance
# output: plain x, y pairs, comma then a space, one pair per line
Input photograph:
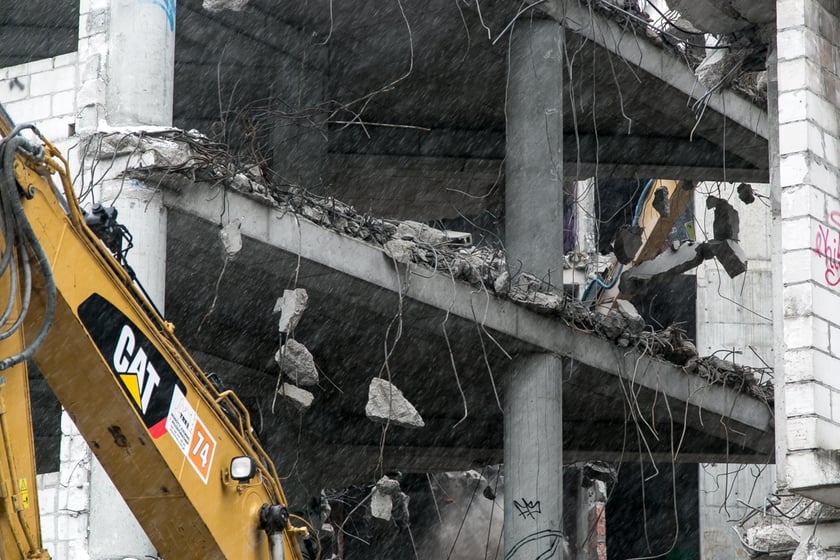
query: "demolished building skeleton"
474, 269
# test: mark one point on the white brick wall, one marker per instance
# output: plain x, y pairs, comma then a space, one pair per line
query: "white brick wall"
808, 39
43, 92
734, 314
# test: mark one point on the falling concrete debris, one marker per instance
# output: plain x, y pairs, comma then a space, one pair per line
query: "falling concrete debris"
291, 306
231, 236
216, 6
382, 498
386, 403
627, 242
297, 364
301, 399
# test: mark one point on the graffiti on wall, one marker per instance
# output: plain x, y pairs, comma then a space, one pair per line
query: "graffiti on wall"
168, 7
827, 246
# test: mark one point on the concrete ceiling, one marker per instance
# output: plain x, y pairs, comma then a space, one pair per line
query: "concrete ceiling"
447, 100
435, 70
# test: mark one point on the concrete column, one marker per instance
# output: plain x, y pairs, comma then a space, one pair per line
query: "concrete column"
141, 62
126, 76
534, 459
534, 238
534, 151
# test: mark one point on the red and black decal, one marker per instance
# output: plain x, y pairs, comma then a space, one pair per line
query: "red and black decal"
143, 373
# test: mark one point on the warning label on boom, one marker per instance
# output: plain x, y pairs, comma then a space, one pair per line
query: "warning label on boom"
190, 434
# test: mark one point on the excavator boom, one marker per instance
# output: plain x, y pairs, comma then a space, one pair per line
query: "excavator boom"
181, 453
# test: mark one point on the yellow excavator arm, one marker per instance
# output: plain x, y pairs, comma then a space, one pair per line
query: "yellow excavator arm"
181, 452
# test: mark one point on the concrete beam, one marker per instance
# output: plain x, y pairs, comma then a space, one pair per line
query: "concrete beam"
673, 71
584, 155
370, 264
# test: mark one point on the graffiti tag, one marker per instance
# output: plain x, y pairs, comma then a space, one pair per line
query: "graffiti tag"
550, 541
168, 7
527, 508
827, 246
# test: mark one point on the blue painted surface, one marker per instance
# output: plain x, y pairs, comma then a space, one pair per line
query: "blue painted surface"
168, 7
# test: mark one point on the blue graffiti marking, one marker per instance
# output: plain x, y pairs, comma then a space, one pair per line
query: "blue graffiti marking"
168, 7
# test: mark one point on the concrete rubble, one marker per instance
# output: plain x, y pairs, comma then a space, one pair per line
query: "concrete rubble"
299, 398
231, 236
220, 5
387, 404
200, 160
290, 306
297, 363
383, 496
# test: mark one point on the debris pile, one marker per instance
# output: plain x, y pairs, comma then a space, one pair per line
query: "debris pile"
194, 158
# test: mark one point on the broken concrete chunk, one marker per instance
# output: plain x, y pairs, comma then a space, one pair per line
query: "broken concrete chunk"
216, 6
231, 237
635, 322
386, 403
666, 265
388, 502
297, 363
381, 505
400, 250
421, 233
301, 399
502, 283
627, 242
291, 306
726, 224
730, 254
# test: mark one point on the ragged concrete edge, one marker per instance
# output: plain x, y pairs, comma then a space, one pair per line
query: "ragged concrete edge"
465, 281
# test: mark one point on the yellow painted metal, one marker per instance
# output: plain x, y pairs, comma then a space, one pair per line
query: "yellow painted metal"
184, 515
657, 228
656, 231
20, 526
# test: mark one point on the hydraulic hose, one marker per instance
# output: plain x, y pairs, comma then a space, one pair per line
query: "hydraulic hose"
10, 195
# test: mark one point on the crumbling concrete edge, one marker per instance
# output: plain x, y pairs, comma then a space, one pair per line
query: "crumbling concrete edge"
368, 262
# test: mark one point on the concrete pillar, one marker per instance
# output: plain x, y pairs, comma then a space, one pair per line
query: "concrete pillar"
534, 237
141, 62
126, 76
534, 459
534, 151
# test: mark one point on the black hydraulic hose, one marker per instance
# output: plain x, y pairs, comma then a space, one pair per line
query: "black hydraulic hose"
12, 297
10, 195
27, 291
